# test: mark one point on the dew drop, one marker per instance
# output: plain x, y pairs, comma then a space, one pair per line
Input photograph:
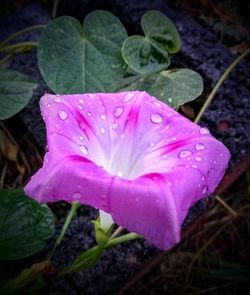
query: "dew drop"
81, 138
198, 159
80, 101
102, 130
49, 105
199, 146
114, 126
91, 95
152, 144
82, 125
118, 111
103, 117
204, 131
128, 97
157, 104
83, 149
80, 107
165, 157
185, 154
204, 190
194, 166
76, 196
62, 115
119, 174
89, 114
202, 178
156, 118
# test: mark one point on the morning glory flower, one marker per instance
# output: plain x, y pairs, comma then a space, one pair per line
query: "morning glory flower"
129, 155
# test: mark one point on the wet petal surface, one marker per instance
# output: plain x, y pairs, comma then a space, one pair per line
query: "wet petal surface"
129, 155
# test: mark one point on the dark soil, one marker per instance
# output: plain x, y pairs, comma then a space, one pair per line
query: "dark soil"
227, 118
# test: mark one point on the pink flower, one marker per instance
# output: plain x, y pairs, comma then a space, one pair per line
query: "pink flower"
129, 155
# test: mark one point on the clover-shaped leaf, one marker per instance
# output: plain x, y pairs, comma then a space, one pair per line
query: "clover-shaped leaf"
73, 58
174, 87
16, 90
150, 53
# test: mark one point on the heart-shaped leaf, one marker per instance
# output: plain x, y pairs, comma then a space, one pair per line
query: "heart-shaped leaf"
150, 53
76, 59
16, 90
174, 87
24, 225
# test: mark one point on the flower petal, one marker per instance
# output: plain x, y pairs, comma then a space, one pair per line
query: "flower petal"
129, 155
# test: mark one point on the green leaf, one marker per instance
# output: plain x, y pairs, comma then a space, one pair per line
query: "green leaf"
76, 59
16, 90
150, 53
174, 87
25, 225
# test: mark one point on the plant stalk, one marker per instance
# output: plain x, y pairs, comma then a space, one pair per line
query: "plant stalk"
218, 84
72, 212
16, 34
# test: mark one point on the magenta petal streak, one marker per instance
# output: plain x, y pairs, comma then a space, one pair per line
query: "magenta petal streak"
129, 155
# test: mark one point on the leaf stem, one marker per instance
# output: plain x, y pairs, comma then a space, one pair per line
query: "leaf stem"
72, 212
85, 262
218, 84
226, 206
18, 47
5, 59
18, 33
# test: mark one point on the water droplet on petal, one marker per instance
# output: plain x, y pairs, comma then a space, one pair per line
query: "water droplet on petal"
118, 111
204, 190
156, 118
102, 130
199, 146
152, 144
114, 126
81, 137
89, 114
157, 104
80, 107
198, 159
194, 166
49, 105
76, 196
165, 157
62, 115
80, 101
204, 131
185, 154
91, 95
128, 97
82, 125
202, 178
103, 117
83, 149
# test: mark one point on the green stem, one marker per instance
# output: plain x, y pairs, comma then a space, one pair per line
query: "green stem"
5, 59
218, 84
122, 239
72, 212
16, 34
14, 48
86, 262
